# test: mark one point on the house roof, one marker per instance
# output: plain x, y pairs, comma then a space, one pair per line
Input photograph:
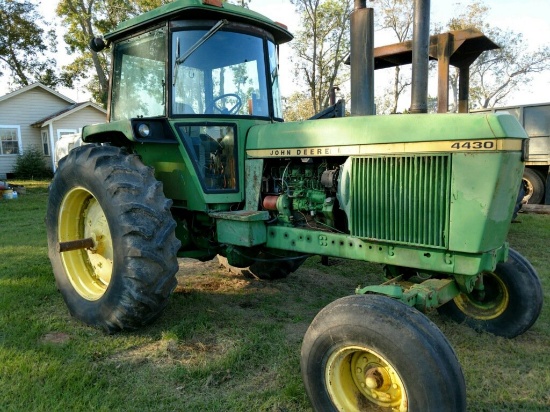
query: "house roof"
34, 86
75, 107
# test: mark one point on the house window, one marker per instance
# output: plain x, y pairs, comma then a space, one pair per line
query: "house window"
63, 132
10, 140
45, 143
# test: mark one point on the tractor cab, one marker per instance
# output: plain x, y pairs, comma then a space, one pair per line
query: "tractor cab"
195, 58
197, 72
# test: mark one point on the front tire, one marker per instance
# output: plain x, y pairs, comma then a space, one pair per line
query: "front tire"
509, 305
365, 352
124, 281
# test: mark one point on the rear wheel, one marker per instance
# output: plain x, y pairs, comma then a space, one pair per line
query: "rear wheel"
509, 304
122, 278
370, 352
534, 186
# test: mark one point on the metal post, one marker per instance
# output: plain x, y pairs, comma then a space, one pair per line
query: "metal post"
443, 59
332, 95
420, 56
463, 88
362, 59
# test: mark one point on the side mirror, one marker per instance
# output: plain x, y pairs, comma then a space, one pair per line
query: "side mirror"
97, 44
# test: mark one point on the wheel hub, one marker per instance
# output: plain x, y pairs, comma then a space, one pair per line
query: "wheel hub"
377, 378
488, 303
89, 270
357, 376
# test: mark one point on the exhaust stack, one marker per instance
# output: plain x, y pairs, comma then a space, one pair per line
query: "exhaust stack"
362, 59
420, 56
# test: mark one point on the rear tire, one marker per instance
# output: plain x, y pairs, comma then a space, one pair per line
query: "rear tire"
510, 304
125, 280
534, 186
368, 352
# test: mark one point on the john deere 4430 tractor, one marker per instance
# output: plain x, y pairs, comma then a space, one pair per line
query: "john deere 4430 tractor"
196, 161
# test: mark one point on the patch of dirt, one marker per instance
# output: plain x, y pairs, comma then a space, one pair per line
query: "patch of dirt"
171, 352
207, 276
189, 267
292, 302
58, 338
211, 276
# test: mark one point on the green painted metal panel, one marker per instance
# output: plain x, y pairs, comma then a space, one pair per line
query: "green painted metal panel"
94, 132
384, 129
403, 199
484, 192
253, 183
175, 168
195, 9
349, 247
241, 228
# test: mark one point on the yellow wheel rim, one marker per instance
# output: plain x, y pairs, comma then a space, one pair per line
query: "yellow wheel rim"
356, 376
487, 304
88, 270
529, 190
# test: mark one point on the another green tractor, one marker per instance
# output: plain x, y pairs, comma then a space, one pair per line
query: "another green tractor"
196, 161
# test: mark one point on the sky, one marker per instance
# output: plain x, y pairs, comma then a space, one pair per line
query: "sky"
529, 17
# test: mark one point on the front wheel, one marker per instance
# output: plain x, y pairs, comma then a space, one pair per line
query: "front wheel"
121, 272
508, 305
370, 352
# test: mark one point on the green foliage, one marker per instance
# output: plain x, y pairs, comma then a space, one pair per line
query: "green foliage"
496, 73
298, 107
321, 46
493, 76
24, 43
91, 18
31, 165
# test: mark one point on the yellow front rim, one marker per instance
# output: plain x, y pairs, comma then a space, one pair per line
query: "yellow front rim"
88, 270
357, 375
490, 303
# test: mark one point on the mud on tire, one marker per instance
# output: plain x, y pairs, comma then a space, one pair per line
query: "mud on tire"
125, 280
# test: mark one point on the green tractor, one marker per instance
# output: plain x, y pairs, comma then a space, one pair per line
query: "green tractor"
196, 161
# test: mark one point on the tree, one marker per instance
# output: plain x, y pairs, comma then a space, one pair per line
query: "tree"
497, 73
396, 17
23, 45
298, 107
321, 46
86, 19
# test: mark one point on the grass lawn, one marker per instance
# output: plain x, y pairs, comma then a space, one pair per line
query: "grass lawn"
225, 343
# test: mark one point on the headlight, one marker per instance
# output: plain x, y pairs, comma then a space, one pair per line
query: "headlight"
143, 130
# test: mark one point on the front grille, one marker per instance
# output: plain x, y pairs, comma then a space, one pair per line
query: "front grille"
403, 199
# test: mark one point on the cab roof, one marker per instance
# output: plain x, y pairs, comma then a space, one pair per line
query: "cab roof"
201, 10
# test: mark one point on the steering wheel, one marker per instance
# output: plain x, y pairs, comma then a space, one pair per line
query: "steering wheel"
222, 110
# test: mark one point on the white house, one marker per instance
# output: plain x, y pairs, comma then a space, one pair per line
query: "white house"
38, 116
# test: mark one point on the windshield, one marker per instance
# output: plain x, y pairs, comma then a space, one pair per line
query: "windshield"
226, 75
139, 72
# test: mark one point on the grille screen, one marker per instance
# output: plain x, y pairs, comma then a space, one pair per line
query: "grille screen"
401, 199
